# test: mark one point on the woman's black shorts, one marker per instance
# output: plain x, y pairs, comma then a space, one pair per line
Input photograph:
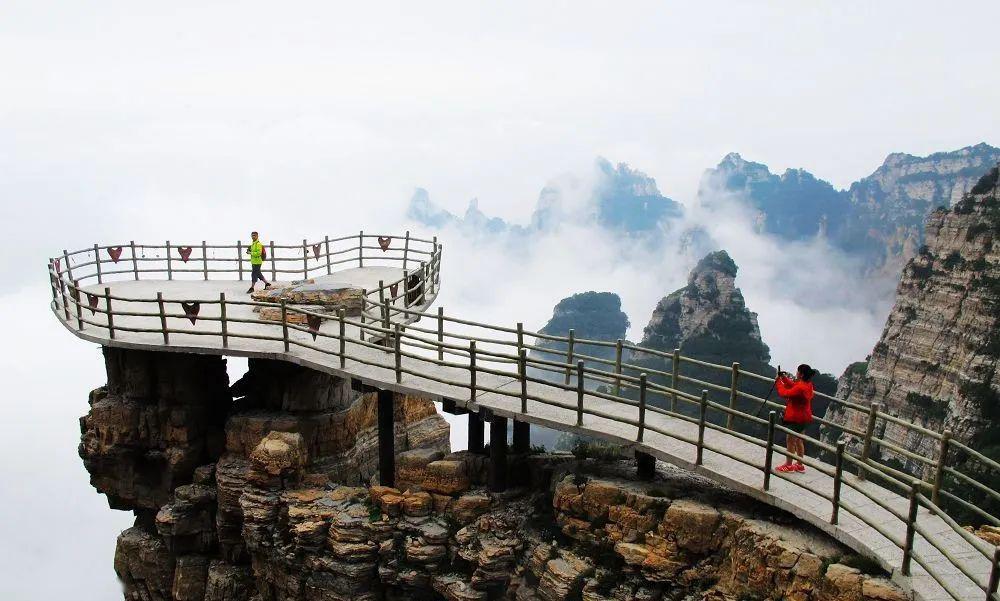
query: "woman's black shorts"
795, 427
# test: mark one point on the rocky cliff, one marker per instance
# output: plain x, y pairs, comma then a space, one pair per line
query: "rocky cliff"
936, 362
269, 498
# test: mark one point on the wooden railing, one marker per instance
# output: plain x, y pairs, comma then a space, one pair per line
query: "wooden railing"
433, 347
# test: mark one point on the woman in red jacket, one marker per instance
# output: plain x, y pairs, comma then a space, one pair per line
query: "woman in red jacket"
798, 394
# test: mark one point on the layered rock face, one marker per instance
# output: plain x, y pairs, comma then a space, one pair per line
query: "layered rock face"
205, 473
159, 417
936, 362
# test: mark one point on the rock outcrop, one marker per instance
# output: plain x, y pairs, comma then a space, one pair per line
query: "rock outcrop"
591, 316
936, 362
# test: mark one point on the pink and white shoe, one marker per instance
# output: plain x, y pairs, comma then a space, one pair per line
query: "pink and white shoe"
799, 467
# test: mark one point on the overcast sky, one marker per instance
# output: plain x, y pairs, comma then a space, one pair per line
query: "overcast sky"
197, 120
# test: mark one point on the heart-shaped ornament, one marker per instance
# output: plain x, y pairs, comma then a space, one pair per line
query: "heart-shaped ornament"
115, 253
314, 321
191, 309
92, 301
316, 251
393, 288
384, 243
185, 252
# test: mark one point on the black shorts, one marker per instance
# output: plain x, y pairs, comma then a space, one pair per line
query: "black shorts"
798, 428
255, 274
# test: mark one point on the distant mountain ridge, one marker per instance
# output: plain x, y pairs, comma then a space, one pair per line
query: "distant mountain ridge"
623, 199
879, 218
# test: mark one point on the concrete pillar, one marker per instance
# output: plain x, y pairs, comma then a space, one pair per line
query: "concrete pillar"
522, 437
386, 439
475, 433
498, 453
646, 465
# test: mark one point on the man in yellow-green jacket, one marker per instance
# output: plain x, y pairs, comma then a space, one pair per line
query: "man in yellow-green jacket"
257, 255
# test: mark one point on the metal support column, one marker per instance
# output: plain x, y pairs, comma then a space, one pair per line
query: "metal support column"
386, 439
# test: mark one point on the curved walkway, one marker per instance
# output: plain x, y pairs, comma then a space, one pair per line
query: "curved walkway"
393, 359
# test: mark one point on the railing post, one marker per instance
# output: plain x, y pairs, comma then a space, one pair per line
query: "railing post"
838, 476
69, 268
703, 409
135, 260
939, 468
579, 392
440, 333
769, 450
163, 318
170, 263
284, 324
204, 259
225, 325
386, 322
52, 282
398, 352
618, 367
62, 291
97, 262
569, 357
734, 382
433, 264
364, 307
111, 317
472, 370
406, 249
642, 405
911, 520
76, 301
361, 248
326, 243
522, 369
343, 338
274, 268
991, 587
866, 447
423, 282
675, 370
406, 289
239, 258
305, 260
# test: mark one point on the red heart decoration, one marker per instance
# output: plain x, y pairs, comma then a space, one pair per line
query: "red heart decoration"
185, 252
314, 322
191, 309
92, 301
56, 263
384, 242
115, 253
316, 251
392, 290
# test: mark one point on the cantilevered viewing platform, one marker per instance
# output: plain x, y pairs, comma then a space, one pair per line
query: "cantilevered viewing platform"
362, 311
